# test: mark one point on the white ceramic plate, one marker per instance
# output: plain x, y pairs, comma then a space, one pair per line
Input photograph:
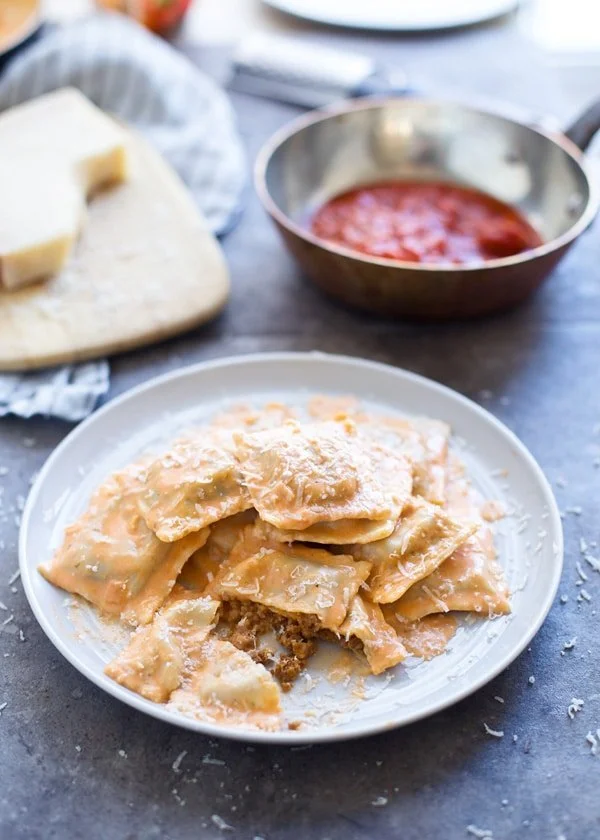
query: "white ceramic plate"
529, 541
396, 15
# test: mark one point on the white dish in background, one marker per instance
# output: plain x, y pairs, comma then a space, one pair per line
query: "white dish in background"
529, 541
407, 15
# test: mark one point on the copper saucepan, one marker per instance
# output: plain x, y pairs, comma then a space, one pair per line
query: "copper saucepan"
542, 173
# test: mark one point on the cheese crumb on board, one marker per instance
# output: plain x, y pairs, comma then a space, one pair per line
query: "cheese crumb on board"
55, 152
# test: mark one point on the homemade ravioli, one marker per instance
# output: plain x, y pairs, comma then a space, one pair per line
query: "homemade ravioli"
206, 563
381, 645
422, 440
192, 485
253, 540
423, 538
300, 476
296, 579
111, 557
160, 654
227, 686
470, 580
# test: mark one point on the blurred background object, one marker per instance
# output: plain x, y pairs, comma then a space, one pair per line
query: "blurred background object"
19, 19
409, 15
309, 74
160, 16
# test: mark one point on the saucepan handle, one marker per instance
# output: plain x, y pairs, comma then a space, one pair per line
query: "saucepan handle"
582, 131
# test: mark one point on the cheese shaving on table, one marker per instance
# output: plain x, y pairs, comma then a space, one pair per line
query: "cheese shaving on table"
574, 706
220, 823
593, 741
480, 833
495, 733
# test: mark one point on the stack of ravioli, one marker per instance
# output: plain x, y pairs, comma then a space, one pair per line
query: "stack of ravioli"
360, 529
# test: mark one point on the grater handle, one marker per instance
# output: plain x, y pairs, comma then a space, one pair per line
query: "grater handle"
382, 84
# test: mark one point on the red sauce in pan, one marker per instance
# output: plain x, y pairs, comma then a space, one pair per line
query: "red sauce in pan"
424, 222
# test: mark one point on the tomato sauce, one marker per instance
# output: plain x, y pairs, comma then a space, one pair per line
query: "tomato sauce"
424, 222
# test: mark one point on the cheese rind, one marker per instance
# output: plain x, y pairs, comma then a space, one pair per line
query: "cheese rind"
55, 151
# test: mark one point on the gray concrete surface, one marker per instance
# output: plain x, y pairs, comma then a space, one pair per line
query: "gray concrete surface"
78, 764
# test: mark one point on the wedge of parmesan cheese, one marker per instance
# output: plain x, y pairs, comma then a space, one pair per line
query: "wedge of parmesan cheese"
55, 152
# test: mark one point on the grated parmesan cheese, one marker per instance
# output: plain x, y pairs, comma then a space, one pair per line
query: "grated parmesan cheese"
593, 562
480, 833
177, 763
593, 741
576, 705
495, 733
220, 823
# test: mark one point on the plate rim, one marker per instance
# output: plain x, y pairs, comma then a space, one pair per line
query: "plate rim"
505, 7
286, 737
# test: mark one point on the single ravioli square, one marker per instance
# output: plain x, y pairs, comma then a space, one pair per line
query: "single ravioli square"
300, 477
380, 643
470, 580
423, 538
112, 558
158, 655
193, 484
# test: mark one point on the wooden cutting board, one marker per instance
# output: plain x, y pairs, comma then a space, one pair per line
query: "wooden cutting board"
145, 268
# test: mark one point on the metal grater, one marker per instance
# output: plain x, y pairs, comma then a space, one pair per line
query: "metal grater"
302, 73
